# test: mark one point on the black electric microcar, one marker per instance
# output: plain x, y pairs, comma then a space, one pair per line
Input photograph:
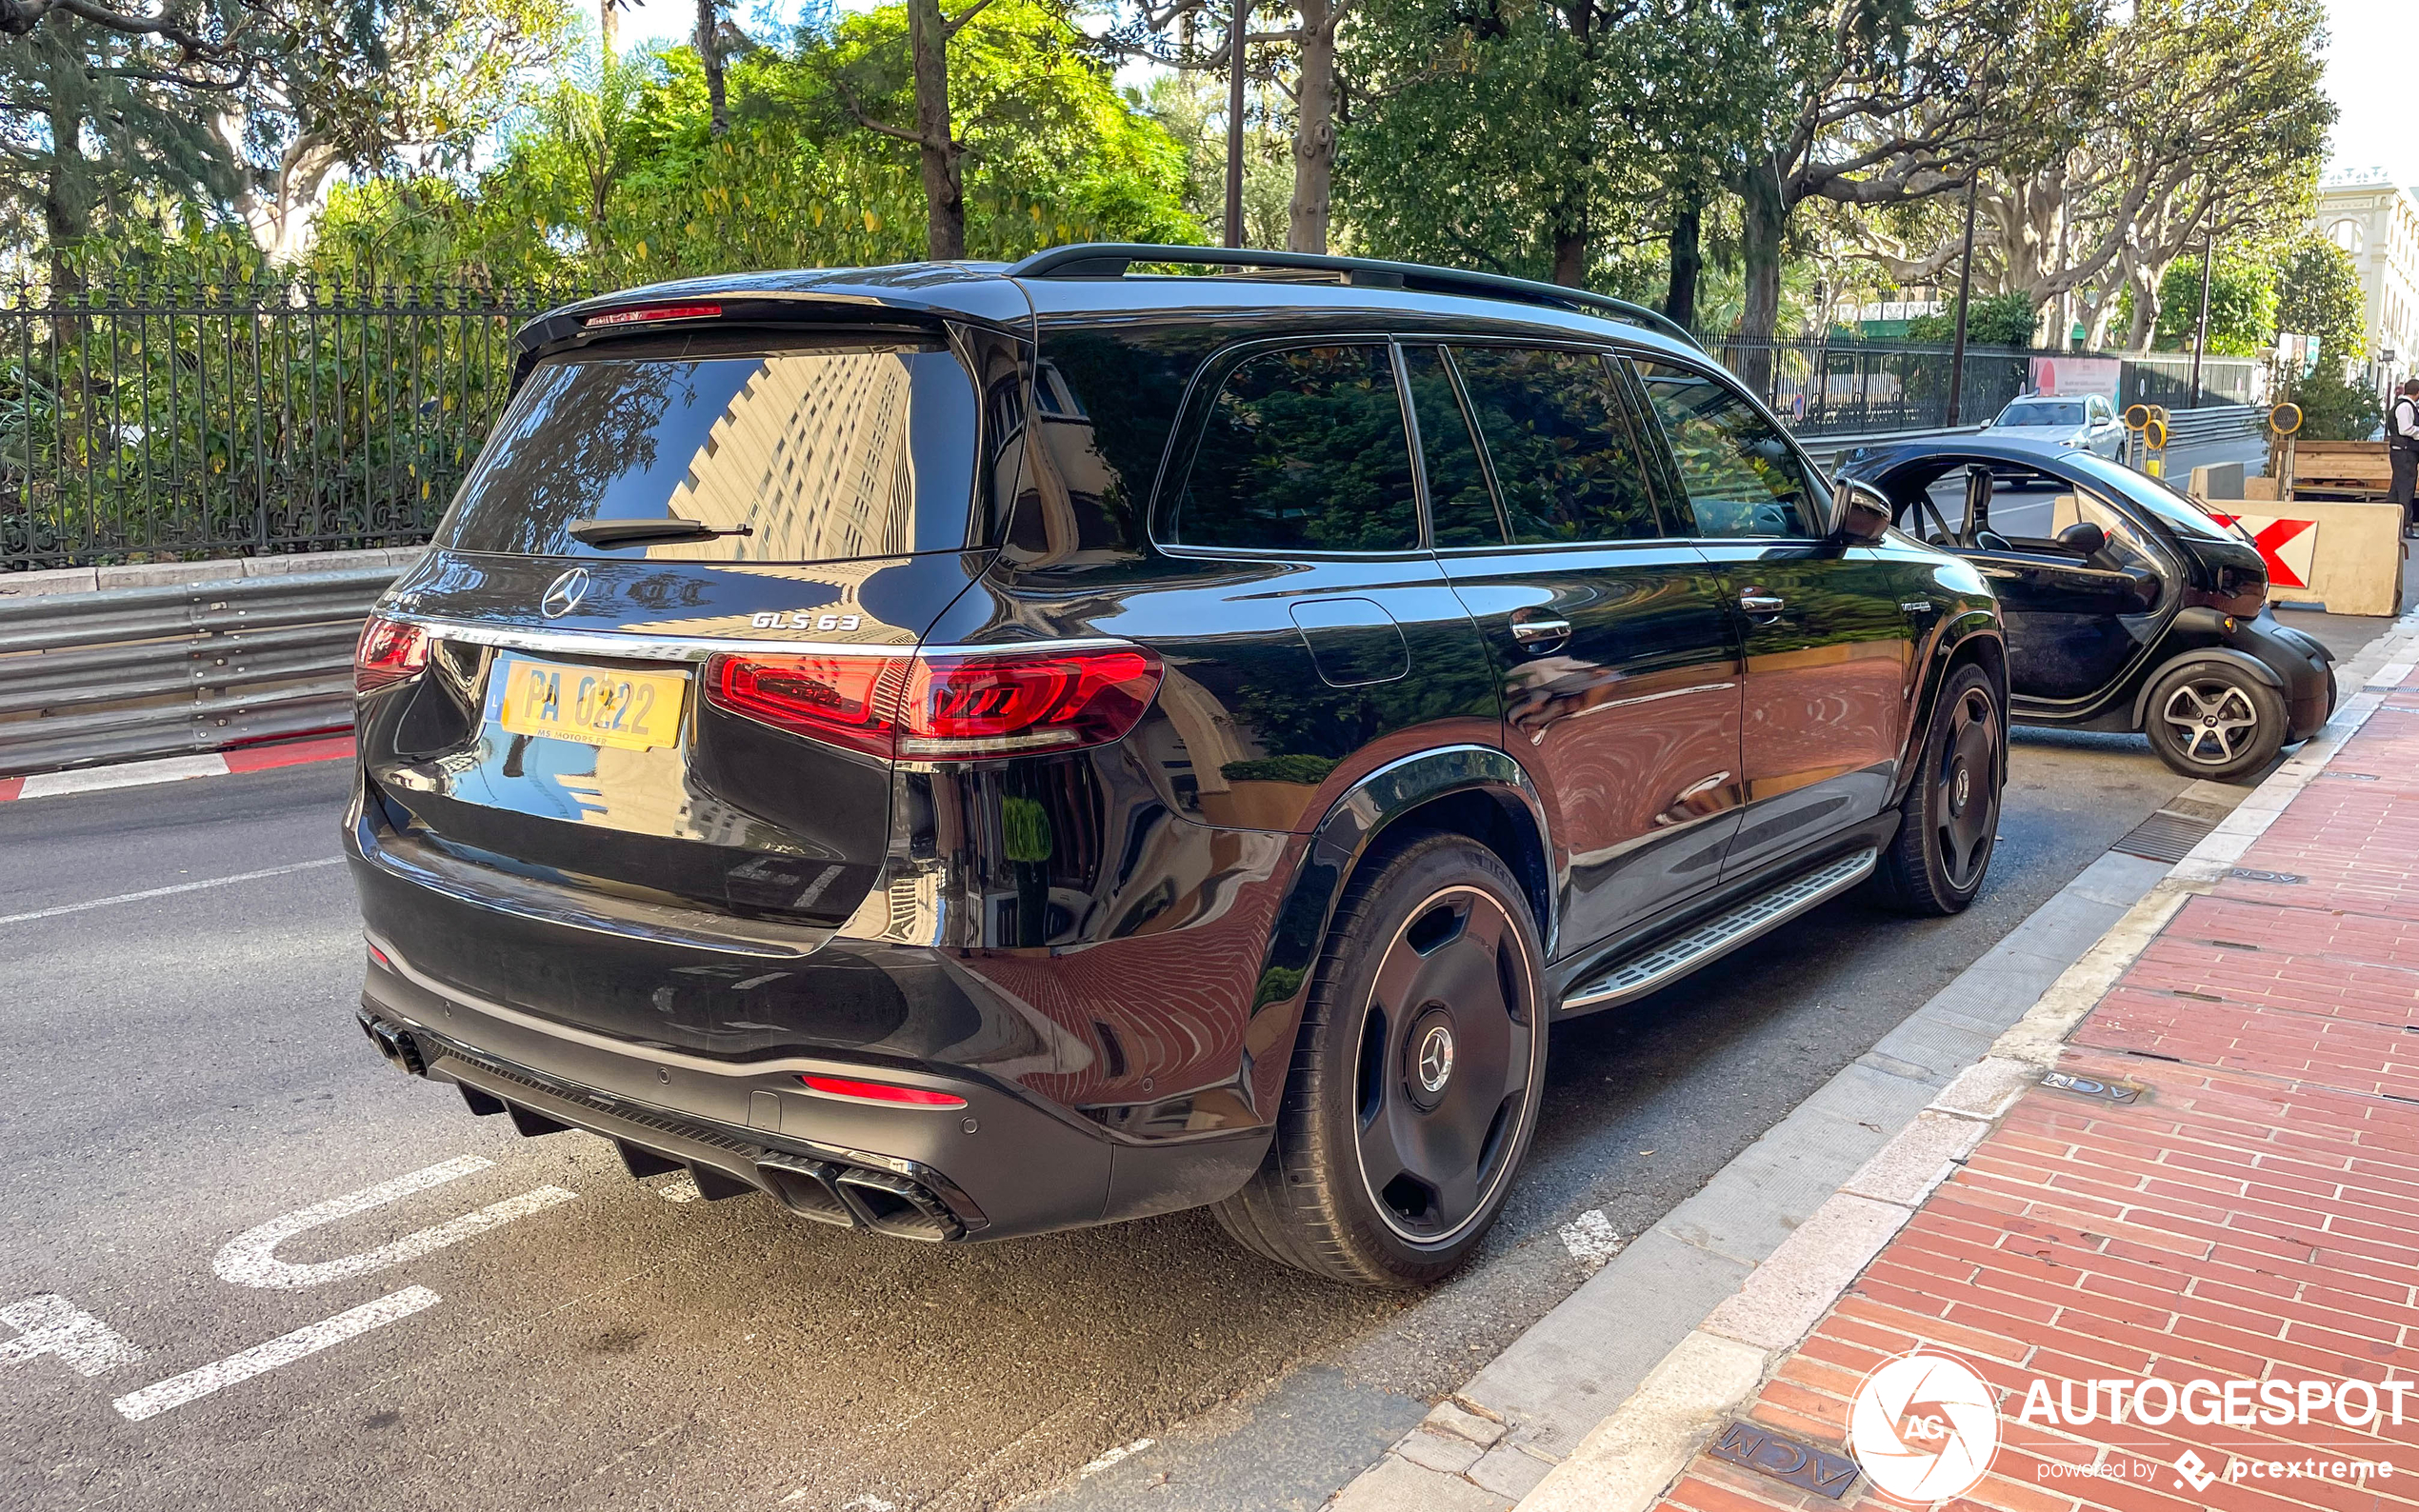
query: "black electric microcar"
2128, 606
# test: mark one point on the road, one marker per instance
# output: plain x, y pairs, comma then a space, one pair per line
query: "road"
179, 1068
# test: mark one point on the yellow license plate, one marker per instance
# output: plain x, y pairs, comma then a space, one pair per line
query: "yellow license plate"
594, 705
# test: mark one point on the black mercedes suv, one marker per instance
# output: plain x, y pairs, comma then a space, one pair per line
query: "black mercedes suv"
972, 749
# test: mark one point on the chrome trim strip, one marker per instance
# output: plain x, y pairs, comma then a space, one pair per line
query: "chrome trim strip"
627, 646
1718, 936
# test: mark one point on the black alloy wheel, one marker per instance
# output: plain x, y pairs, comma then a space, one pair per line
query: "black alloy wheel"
2214, 720
1416, 1075
1948, 821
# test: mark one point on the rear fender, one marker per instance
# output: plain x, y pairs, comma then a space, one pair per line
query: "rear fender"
1352, 826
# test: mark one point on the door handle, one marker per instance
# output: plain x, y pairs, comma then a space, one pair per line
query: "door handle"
1762, 605
1539, 632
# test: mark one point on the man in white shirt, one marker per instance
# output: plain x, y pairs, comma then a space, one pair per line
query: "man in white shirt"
2402, 446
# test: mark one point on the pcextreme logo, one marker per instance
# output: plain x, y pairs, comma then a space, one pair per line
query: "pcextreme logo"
1924, 1427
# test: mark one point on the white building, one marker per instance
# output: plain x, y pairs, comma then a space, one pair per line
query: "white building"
2377, 222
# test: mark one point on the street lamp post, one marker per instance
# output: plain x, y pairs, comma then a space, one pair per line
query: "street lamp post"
1235, 122
1964, 292
2201, 327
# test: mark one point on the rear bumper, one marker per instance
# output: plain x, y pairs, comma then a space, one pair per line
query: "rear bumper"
997, 1168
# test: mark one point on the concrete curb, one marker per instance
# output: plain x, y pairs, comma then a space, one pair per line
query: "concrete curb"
231, 763
1689, 1318
1786, 1296
14, 586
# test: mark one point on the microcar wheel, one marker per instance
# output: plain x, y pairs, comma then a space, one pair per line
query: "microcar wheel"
1416, 1075
2214, 720
1948, 821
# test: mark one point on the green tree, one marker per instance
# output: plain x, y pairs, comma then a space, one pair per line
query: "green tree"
2334, 408
2318, 294
1992, 320
2242, 306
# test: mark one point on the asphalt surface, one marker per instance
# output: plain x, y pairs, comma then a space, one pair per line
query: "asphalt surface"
179, 1066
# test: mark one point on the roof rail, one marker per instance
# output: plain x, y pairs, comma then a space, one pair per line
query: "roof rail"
1112, 260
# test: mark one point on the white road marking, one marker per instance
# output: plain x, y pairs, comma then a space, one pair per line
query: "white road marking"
162, 892
1589, 1236
681, 1188
126, 774
1122, 1451
50, 1324
251, 1259
352, 1324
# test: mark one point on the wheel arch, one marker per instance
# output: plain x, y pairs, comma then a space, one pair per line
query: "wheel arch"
1475, 790
1973, 637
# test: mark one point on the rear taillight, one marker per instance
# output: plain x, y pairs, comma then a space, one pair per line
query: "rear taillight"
944, 708
390, 652
652, 312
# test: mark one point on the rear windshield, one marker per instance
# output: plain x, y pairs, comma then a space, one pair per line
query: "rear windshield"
822, 453
2037, 413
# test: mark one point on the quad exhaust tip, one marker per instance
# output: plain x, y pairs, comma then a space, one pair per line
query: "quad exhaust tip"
396, 1044
821, 1191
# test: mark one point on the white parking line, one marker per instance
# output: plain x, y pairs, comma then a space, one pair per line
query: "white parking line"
250, 1258
352, 1324
162, 892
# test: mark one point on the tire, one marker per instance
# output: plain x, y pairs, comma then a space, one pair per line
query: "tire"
1948, 821
1416, 1075
2214, 720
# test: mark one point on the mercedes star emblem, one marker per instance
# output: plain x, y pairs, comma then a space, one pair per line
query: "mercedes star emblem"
1436, 1058
565, 593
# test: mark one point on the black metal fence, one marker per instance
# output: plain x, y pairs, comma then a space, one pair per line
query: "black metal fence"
235, 419
1836, 388
230, 420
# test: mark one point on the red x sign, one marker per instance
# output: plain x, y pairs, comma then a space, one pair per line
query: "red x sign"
2287, 545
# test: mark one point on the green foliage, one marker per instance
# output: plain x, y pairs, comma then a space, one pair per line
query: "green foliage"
2332, 409
2318, 294
2242, 306
1996, 320
625, 182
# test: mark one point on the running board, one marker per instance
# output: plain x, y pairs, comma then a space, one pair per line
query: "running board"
1723, 933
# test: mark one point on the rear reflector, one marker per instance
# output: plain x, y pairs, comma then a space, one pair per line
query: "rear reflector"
633, 317
878, 1092
390, 652
944, 708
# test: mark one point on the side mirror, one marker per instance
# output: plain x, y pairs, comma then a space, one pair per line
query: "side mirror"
2083, 538
1860, 514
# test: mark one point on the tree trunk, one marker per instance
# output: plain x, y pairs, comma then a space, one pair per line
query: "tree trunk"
66, 201
2144, 326
943, 191
608, 26
1314, 131
710, 54
1764, 216
1687, 257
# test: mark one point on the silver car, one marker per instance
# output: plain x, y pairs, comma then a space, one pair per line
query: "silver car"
2079, 422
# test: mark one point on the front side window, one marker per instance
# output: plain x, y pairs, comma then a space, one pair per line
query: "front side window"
1302, 449
1741, 476
1566, 464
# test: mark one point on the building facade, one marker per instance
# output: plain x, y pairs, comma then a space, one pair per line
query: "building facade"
2377, 222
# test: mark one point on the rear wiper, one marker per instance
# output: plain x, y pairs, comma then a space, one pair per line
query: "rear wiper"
627, 532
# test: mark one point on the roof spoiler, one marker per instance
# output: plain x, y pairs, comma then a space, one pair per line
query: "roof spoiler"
1113, 259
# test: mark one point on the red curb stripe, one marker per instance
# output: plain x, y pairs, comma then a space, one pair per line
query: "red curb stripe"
289, 753
9, 786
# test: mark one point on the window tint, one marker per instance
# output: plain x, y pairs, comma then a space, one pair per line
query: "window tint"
1303, 449
851, 450
1564, 459
1461, 507
1742, 478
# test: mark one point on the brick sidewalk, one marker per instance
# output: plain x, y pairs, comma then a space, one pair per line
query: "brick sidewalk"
2253, 1215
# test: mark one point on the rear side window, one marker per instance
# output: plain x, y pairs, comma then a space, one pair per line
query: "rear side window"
809, 455
1461, 507
1302, 449
1741, 476
1567, 463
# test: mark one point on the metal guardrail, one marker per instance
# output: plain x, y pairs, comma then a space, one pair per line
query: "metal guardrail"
129, 673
